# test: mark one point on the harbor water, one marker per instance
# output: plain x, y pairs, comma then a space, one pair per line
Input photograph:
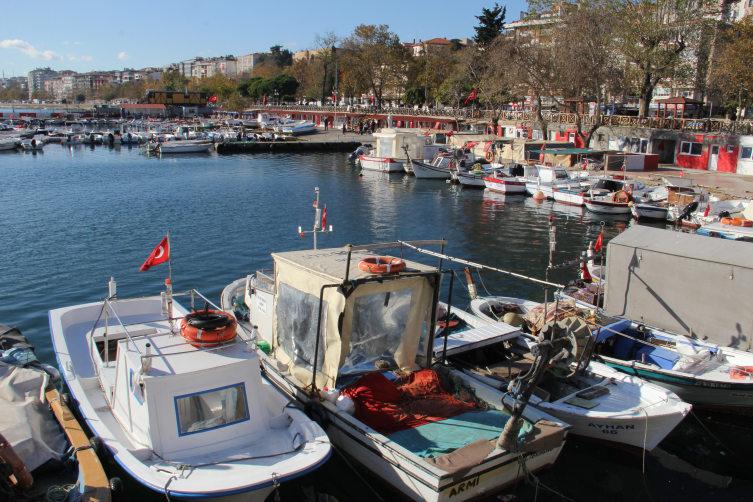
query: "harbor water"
73, 216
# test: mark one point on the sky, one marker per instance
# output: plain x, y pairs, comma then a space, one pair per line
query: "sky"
97, 36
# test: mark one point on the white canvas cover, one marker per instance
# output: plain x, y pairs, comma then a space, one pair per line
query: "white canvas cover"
25, 420
403, 306
679, 281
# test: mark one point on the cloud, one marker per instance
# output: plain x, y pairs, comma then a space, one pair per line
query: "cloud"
65, 43
123, 55
73, 57
78, 43
29, 50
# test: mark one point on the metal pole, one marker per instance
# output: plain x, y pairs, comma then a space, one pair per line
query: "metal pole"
601, 269
107, 352
447, 327
169, 258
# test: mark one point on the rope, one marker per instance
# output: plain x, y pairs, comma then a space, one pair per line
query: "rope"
58, 493
480, 266
357, 473
715, 439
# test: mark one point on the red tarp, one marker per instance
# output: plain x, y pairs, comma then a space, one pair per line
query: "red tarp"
383, 406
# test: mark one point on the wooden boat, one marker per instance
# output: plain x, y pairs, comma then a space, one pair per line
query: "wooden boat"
184, 409
381, 317
598, 401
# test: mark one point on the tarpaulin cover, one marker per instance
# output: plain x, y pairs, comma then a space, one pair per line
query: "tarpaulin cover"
25, 420
439, 438
387, 408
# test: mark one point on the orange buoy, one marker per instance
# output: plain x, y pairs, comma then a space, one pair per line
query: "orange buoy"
741, 222
208, 328
726, 221
381, 265
10, 457
741, 373
538, 195
490, 156
621, 196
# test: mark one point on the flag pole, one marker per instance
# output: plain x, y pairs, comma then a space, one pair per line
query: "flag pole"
169, 258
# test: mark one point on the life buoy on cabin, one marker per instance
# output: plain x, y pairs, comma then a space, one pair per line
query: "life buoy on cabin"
741, 373
208, 327
490, 156
10, 457
382, 265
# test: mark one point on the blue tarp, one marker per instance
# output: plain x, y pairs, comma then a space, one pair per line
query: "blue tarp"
439, 438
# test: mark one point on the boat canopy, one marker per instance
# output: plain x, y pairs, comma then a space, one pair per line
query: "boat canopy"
682, 283
368, 321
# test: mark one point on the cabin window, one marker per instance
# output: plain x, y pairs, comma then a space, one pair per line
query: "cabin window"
688, 148
746, 152
730, 149
297, 316
379, 321
211, 409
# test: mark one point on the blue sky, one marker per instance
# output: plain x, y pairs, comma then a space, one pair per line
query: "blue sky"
101, 35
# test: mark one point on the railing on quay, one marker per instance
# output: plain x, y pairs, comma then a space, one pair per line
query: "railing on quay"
704, 125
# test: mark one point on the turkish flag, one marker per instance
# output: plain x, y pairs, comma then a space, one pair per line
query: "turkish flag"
324, 218
160, 255
213, 99
597, 247
471, 96
706, 212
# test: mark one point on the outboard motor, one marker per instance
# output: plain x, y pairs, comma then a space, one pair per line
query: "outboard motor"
685, 215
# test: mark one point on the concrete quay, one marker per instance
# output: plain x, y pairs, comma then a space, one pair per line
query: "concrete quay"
321, 141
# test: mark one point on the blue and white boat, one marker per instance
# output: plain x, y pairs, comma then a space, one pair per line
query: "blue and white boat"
305, 127
188, 418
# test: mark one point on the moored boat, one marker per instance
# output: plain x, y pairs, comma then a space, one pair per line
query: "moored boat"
178, 398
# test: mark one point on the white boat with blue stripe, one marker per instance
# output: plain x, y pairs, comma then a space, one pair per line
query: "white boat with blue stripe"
188, 417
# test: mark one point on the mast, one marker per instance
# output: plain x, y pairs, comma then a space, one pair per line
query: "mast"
319, 224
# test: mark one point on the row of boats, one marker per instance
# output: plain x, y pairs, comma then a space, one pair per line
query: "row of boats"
347, 348
674, 199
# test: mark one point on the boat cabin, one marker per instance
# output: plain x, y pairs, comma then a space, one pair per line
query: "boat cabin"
170, 396
369, 321
390, 143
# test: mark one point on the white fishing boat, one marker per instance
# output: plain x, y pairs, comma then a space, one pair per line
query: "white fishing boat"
471, 179
439, 169
9, 143
92, 139
341, 322
727, 231
34, 144
73, 139
302, 127
647, 211
171, 147
597, 400
392, 145
504, 183
179, 401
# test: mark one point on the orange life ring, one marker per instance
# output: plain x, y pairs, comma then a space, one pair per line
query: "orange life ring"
381, 265
726, 221
741, 222
208, 327
10, 457
489, 156
741, 372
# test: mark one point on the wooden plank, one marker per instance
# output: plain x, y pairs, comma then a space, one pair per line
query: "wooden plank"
463, 341
96, 485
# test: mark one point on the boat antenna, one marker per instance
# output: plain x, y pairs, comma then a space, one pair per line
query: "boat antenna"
320, 220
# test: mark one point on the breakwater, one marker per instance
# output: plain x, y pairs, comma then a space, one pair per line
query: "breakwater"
286, 146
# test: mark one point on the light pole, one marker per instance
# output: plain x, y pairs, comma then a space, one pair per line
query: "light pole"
277, 100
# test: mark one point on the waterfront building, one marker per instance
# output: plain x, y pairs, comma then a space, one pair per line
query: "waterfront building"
247, 63
38, 77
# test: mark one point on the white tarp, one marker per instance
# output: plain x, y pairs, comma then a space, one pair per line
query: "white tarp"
25, 419
679, 281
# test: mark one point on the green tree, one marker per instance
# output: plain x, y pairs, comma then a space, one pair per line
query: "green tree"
80, 97
173, 81
732, 71
414, 96
491, 23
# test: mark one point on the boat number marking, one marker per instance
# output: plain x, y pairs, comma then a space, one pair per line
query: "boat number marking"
737, 394
261, 304
463, 486
611, 429
713, 384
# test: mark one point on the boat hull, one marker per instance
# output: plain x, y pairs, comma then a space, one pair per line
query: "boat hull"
505, 186
383, 164
647, 212
426, 171
607, 207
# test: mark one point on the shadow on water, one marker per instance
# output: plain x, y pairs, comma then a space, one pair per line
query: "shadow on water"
73, 217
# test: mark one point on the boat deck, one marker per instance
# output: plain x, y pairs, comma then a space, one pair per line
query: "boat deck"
463, 341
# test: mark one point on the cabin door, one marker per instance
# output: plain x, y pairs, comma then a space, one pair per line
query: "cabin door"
713, 157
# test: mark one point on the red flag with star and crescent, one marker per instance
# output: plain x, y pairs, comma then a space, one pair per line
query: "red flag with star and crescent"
160, 255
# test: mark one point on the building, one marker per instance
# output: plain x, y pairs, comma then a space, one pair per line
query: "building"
38, 77
143, 109
423, 46
247, 63
7, 83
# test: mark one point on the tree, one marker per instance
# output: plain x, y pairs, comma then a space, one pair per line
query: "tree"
375, 57
491, 22
414, 96
732, 69
173, 81
325, 53
658, 38
80, 97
